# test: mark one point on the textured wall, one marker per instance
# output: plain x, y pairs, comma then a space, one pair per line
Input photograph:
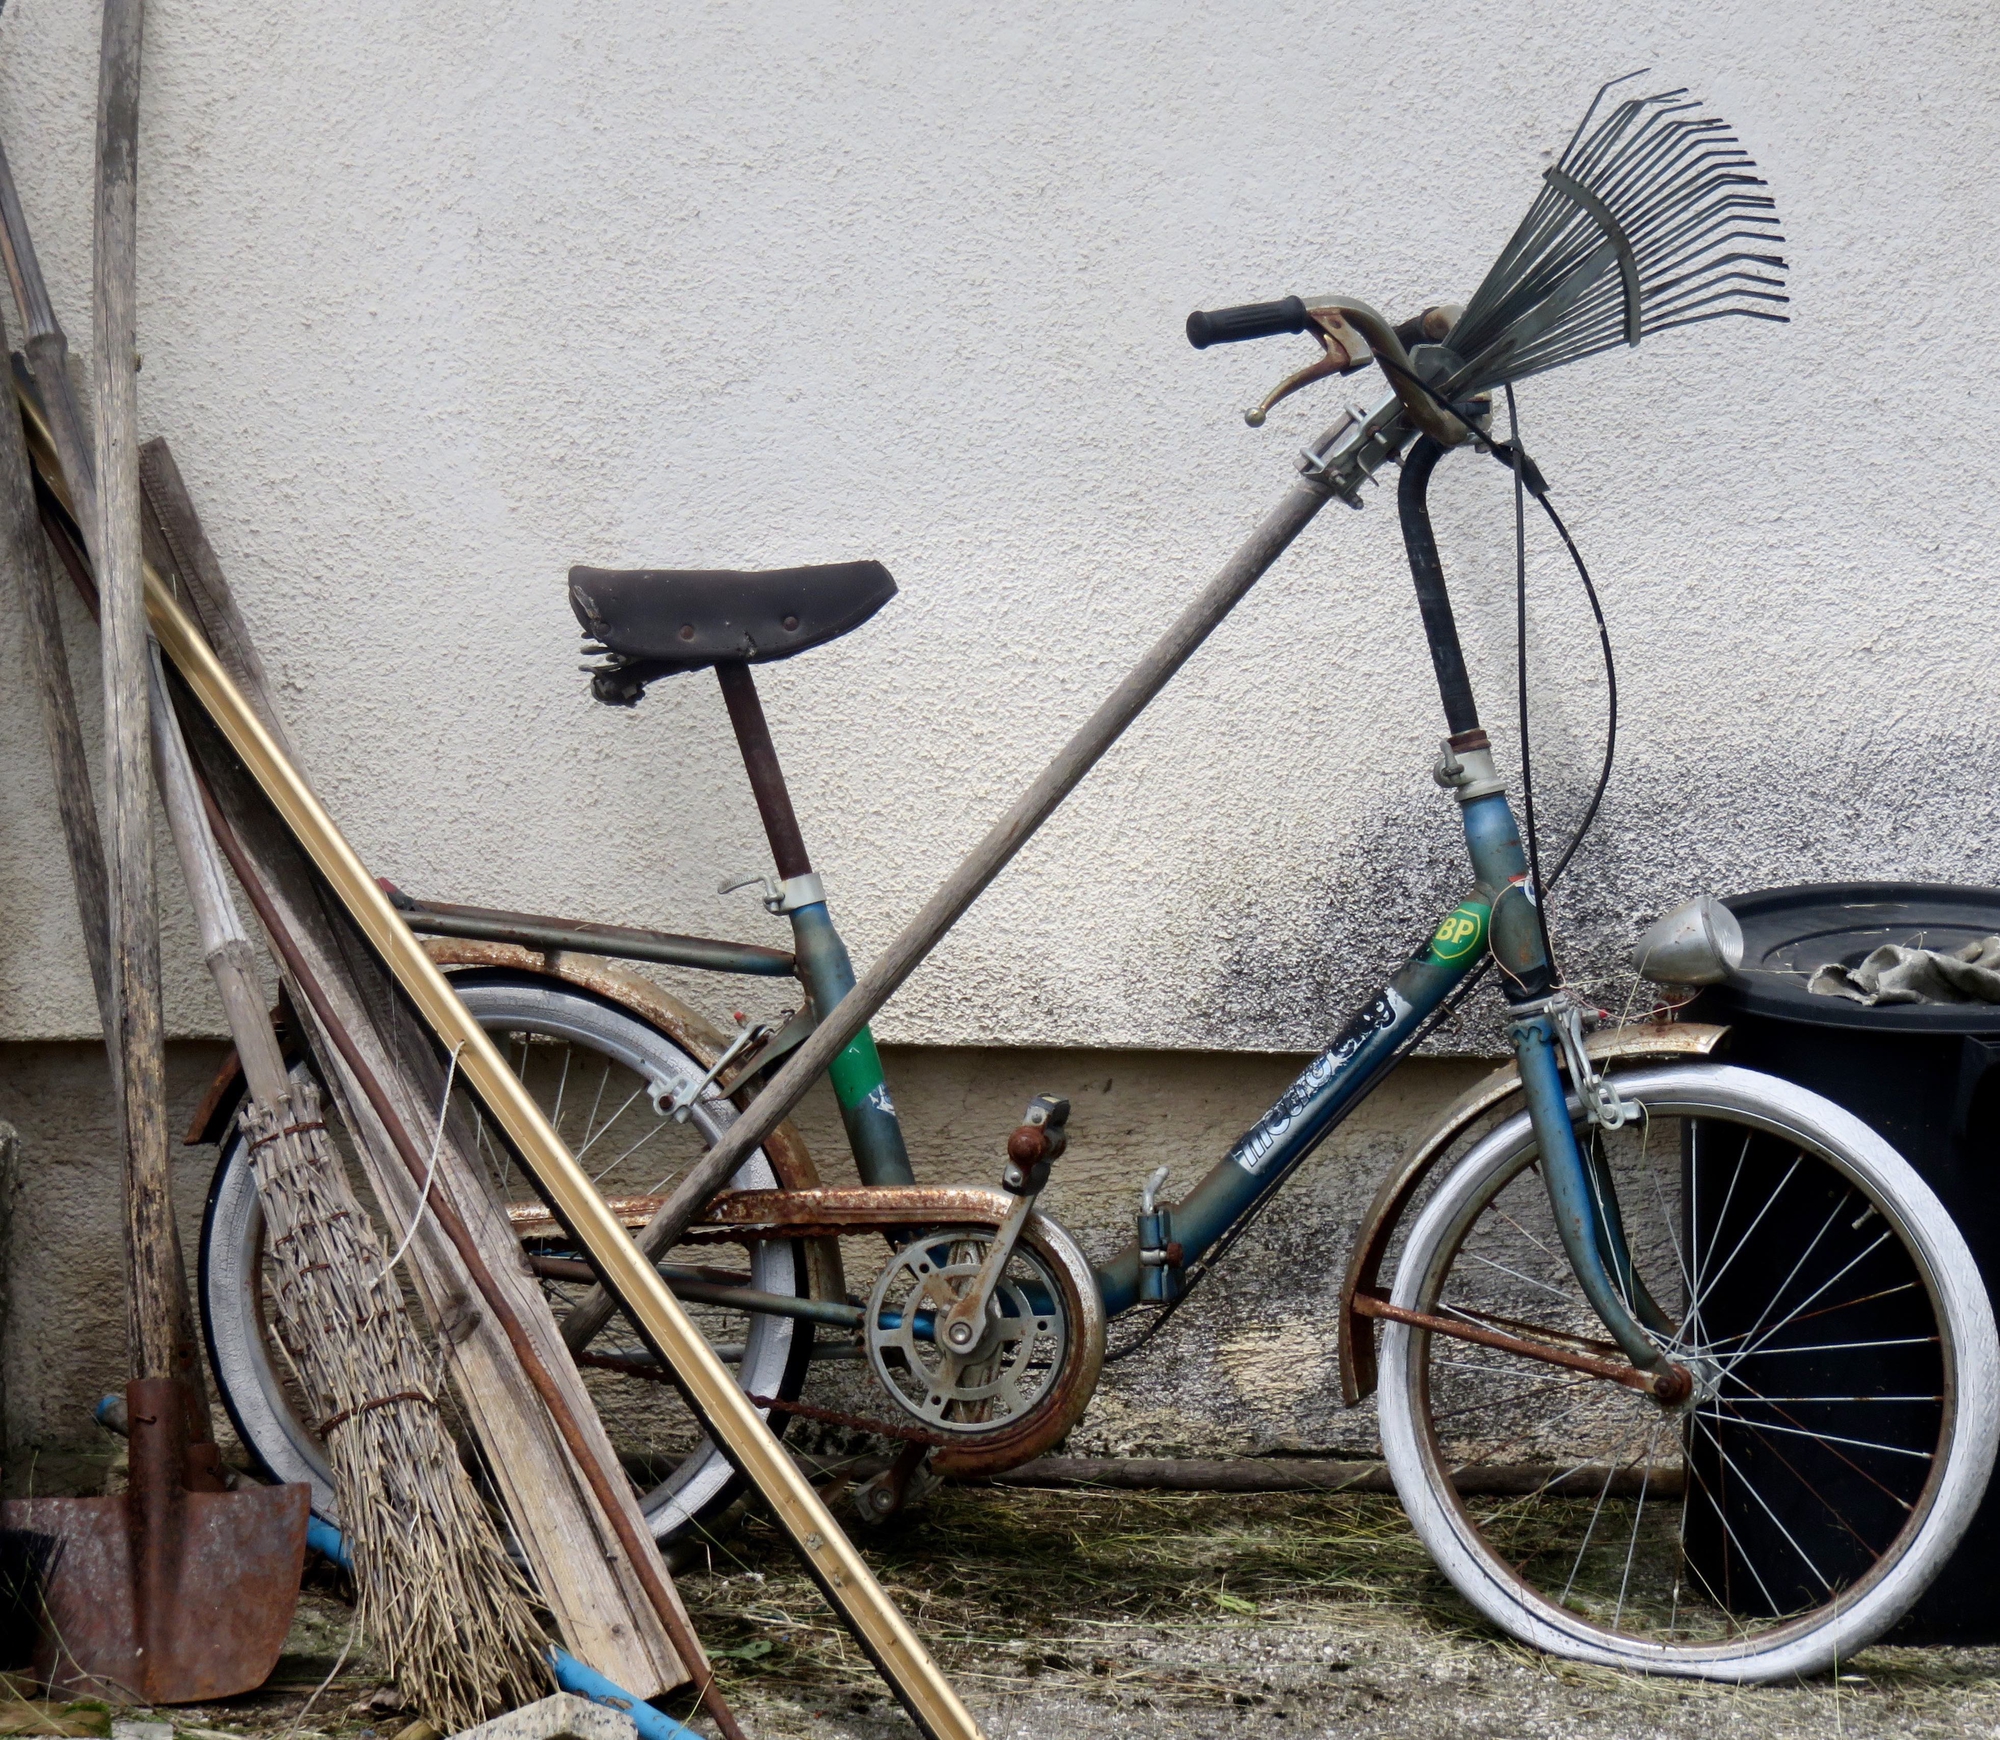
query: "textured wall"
64, 1225
438, 298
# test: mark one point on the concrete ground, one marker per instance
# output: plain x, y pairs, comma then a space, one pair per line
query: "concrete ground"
1069, 1613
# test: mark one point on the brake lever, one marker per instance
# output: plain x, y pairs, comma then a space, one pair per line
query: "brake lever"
1352, 335
1343, 351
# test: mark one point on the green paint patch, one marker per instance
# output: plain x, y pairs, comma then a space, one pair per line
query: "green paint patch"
857, 1071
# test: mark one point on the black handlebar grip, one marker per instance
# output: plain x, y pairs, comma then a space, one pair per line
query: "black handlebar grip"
1251, 320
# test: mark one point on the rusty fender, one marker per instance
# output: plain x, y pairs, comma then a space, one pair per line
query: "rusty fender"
1648, 1042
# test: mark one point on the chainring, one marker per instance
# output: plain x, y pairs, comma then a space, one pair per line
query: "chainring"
1001, 1381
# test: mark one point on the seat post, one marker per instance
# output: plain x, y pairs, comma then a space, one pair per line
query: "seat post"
760, 762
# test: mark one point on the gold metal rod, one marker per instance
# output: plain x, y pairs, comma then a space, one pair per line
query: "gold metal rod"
723, 1408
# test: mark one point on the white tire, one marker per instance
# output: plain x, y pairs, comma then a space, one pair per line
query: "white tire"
691, 1480
1751, 1456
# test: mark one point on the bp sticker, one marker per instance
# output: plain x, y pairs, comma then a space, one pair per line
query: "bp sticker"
1462, 933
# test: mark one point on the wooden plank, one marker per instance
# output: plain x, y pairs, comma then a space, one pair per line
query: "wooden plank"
178, 546
600, 1607
150, 1243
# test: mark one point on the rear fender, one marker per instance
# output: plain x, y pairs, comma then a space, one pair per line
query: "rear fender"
616, 983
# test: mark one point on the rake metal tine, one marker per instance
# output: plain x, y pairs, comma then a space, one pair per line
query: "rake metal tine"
1678, 185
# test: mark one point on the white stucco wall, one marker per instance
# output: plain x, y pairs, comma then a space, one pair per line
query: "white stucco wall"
438, 298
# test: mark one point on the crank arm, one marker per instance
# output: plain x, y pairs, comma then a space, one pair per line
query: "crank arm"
1040, 1140
965, 1323
1670, 1386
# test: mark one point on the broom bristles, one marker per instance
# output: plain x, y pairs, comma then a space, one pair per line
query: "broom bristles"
438, 1592
1649, 221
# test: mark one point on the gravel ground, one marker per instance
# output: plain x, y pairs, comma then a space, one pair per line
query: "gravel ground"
1089, 1614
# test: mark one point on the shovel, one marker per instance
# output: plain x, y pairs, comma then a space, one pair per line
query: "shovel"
176, 1591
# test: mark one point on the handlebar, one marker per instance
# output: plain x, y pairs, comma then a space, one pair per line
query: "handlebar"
1352, 335
1249, 320
1270, 319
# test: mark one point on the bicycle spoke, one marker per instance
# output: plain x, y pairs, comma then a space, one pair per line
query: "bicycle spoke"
1735, 1540
1502, 1214
1841, 1457
1745, 1352
1860, 1256
1578, 1384
1722, 1216
1596, 1514
590, 1119
1667, 1217
1779, 1522
1516, 1273
1833, 1438
562, 1082
1708, 1286
611, 1122
1638, 1522
1847, 1462
645, 1136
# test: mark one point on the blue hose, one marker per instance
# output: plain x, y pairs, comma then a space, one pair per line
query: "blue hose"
571, 1674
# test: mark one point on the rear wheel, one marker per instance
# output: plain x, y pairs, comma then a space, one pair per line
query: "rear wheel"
599, 1074
1842, 1424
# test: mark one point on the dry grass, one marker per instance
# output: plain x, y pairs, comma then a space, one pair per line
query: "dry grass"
1096, 1615
1290, 1607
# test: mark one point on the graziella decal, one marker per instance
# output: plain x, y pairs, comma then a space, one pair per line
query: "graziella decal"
1382, 1011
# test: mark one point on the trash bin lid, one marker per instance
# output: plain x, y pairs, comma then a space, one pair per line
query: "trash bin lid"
1790, 933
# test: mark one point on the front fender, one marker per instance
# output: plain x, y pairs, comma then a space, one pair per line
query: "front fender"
1647, 1042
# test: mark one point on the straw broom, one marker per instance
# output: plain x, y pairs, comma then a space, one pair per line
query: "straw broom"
439, 1593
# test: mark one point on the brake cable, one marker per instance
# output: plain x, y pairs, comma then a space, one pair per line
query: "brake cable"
1528, 476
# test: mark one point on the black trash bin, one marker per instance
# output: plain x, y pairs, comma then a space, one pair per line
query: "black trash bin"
1926, 1076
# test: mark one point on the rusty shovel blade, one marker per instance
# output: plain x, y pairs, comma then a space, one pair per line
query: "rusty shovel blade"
163, 1595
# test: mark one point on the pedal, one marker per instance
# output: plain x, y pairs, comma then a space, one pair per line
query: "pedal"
1041, 1138
905, 1482
1161, 1281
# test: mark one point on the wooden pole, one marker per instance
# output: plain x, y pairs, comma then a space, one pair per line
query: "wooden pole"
133, 917
47, 350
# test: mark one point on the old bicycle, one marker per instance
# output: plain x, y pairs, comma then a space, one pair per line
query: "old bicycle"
1680, 1367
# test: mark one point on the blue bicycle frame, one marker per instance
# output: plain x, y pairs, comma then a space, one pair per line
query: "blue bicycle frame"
1499, 916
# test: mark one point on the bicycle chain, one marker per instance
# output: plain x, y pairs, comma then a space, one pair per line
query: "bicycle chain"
804, 1410
861, 1423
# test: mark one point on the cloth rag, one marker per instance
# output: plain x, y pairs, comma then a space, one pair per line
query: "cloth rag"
1892, 974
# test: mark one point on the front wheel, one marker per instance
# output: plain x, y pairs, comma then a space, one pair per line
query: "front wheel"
1841, 1426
